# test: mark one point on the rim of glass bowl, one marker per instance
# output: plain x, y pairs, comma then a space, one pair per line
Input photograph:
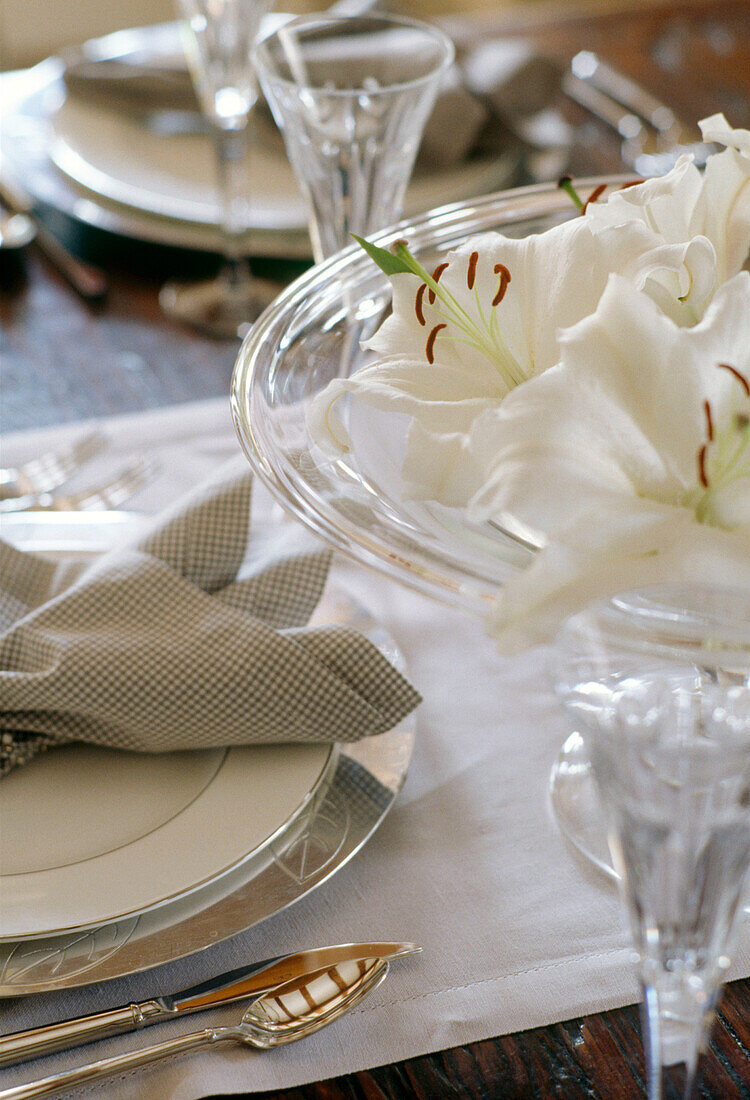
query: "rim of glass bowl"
313, 19
417, 558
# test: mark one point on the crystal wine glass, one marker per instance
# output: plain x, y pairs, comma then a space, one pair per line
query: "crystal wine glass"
218, 38
351, 96
658, 685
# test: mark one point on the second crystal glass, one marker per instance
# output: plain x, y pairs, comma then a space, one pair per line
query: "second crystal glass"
658, 684
351, 97
218, 38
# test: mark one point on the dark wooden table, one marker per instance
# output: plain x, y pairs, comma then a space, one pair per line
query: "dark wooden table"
63, 360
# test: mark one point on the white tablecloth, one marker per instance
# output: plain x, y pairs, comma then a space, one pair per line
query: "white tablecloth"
517, 930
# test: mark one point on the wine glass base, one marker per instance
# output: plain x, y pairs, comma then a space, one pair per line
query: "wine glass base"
221, 307
576, 807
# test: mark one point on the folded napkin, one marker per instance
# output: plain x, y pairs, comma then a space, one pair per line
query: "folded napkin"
191, 638
492, 84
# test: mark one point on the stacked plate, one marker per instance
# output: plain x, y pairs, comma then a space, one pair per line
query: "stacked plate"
114, 862
117, 169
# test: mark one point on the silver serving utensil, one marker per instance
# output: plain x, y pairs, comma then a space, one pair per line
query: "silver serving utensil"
50, 470
286, 1013
587, 65
246, 982
109, 494
650, 151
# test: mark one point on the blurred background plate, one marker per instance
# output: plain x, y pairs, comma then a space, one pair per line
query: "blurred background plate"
68, 153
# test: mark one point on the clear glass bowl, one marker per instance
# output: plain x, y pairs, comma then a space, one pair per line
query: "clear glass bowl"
311, 334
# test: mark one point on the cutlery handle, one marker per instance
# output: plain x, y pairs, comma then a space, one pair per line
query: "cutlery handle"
88, 281
588, 66
22, 1045
603, 106
59, 1082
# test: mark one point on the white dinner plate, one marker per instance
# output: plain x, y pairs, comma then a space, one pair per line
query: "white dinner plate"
105, 841
91, 836
69, 153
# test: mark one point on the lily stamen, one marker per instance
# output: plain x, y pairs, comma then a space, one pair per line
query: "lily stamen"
740, 377
471, 274
724, 457
418, 303
593, 196
502, 271
436, 276
709, 421
429, 349
702, 475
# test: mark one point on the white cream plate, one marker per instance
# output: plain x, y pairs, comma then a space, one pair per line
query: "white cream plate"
91, 836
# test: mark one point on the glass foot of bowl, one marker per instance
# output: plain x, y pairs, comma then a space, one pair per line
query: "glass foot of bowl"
575, 804
641, 650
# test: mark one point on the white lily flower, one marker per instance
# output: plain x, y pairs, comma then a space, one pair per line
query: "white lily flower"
702, 219
631, 458
452, 351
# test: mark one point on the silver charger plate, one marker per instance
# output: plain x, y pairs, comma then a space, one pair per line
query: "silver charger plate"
351, 797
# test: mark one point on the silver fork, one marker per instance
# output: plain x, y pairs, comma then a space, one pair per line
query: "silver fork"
110, 494
50, 470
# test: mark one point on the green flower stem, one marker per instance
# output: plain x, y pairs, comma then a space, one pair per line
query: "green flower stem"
566, 184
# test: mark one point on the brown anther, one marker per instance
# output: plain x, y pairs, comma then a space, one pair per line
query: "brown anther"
471, 274
400, 243
702, 467
593, 196
740, 377
418, 303
742, 422
502, 271
436, 276
709, 421
630, 183
429, 350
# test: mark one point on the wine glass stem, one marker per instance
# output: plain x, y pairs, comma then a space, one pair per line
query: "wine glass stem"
231, 160
677, 1014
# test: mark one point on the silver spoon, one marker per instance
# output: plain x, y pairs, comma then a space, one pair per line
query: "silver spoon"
288, 1012
16, 230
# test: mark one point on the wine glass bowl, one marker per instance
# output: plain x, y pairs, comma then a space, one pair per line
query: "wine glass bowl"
351, 96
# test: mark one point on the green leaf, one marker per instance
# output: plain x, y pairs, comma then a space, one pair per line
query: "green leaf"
389, 262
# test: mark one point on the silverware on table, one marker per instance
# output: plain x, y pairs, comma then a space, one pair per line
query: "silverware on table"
249, 981
88, 281
50, 470
653, 137
16, 231
109, 494
288, 1011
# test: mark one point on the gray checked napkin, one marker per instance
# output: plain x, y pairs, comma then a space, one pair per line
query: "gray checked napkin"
168, 645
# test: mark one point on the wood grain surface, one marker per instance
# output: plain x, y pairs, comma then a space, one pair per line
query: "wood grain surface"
63, 360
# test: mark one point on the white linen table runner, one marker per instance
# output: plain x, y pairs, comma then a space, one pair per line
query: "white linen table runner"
517, 930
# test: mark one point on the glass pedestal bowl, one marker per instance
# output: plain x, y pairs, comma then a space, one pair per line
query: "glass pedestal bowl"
312, 334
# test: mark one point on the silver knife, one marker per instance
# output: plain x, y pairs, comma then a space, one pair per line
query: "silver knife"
246, 982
